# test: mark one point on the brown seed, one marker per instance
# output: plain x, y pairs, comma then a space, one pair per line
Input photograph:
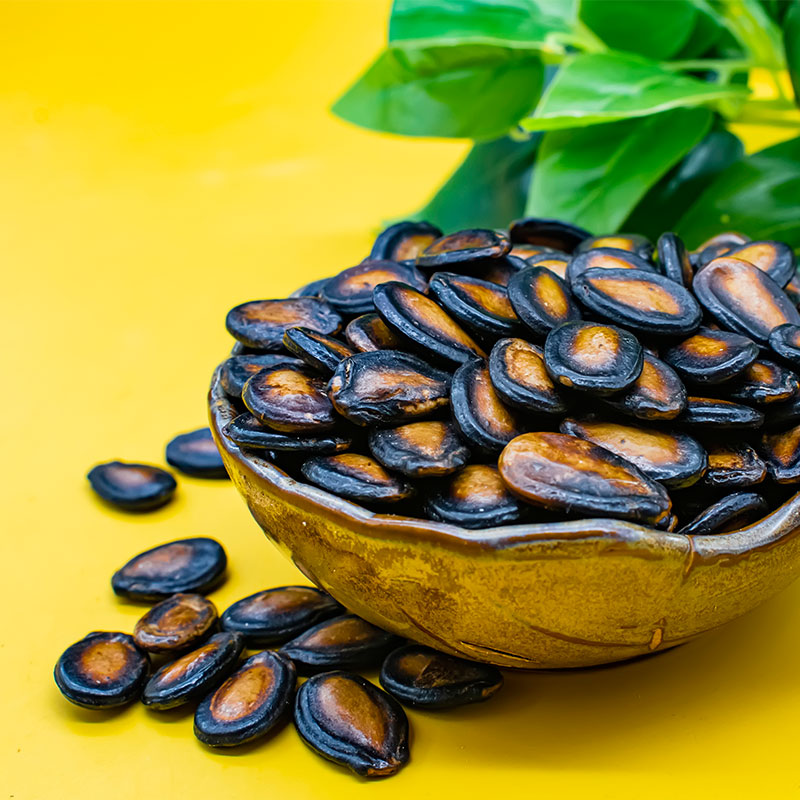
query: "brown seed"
673, 459
343, 642
417, 319
733, 465
713, 413
246, 431
785, 341
541, 299
764, 382
387, 386
350, 292
132, 487
781, 454
743, 298
475, 497
466, 245
564, 473
289, 400
348, 720
630, 242
526, 251
657, 393
176, 624
196, 453
547, 233
494, 270
719, 245
320, 352
775, 258
262, 323
731, 512
249, 704
604, 258
556, 263
419, 449
355, 477
237, 370
369, 332
711, 356
102, 670
404, 241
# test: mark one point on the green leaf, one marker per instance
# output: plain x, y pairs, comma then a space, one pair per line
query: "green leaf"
661, 208
604, 87
593, 177
657, 30
471, 90
791, 41
526, 23
759, 196
706, 33
487, 190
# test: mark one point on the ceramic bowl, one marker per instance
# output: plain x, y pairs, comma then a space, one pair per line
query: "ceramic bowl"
567, 594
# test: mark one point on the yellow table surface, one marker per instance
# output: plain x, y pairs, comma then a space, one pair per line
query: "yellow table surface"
160, 163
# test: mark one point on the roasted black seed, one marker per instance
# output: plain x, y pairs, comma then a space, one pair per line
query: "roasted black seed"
262, 323
564, 473
176, 624
495, 270
743, 298
185, 565
103, 670
733, 465
475, 497
785, 341
466, 245
196, 453
237, 370
518, 374
247, 431
717, 246
764, 382
404, 241
387, 386
711, 356
195, 674
132, 487
318, 351
601, 359
422, 677
350, 292
713, 413
604, 258
775, 258
674, 259
480, 416
541, 299
348, 720
548, 233
289, 400
277, 615
356, 477
734, 510
657, 394
369, 332
249, 703
673, 459
526, 251
345, 642
419, 449
482, 306
781, 454
643, 301
555, 262
312, 289
640, 246
423, 323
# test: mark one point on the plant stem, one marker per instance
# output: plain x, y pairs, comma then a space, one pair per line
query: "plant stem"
727, 65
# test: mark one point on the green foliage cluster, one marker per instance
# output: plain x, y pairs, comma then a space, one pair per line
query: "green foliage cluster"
611, 114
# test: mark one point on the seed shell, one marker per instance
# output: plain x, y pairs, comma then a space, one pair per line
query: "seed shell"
738, 508
604, 258
132, 487
356, 477
196, 453
719, 245
674, 259
494, 270
785, 341
711, 412
350, 292
320, 352
557, 263
419, 449
764, 382
348, 720
237, 370
775, 258
422, 677
105, 669
466, 245
176, 624
547, 233
541, 299
733, 465
249, 703
404, 241
247, 431
781, 454
640, 246
185, 565
657, 394
711, 356
369, 332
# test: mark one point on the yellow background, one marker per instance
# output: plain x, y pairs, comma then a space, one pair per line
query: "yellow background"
159, 163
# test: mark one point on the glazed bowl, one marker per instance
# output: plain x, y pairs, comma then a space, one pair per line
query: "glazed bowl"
567, 594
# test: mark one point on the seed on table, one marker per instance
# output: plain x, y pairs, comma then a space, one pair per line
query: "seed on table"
247, 431
425, 324
781, 454
105, 669
196, 453
311, 289
387, 386
733, 465
711, 356
466, 245
519, 376
674, 259
369, 332
630, 242
356, 477
785, 341
185, 565
709, 412
350, 292
475, 497
237, 370
404, 241
564, 473
604, 258
132, 487
274, 616
777, 259
317, 350
289, 400
764, 382
249, 703
419, 449
422, 677
345, 642
262, 323
478, 413
176, 624
541, 299
350, 721
195, 674
547, 233
601, 359
732, 511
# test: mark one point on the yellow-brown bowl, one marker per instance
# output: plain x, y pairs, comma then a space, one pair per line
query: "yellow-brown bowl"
568, 594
